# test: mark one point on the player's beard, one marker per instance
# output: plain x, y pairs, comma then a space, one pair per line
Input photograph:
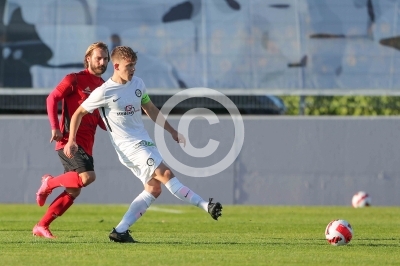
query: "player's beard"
98, 70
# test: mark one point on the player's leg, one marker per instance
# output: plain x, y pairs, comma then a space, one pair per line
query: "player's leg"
153, 164
56, 209
80, 173
139, 159
83, 166
165, 175
136, 210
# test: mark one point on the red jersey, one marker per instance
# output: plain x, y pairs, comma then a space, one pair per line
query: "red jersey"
73, 90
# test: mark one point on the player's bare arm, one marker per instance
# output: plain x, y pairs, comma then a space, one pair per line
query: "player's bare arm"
71, 147
154, 113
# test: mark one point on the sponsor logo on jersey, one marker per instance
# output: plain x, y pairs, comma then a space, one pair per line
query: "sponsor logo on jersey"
129, 110
144, 143
138, 93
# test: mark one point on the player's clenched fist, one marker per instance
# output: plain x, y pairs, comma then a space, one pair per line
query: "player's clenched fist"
70, 149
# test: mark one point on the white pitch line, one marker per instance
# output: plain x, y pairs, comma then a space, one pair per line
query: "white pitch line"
157, 209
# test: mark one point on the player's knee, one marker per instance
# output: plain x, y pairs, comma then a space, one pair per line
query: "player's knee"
153, 187
164, 172
87, 178
74, 192
156, 192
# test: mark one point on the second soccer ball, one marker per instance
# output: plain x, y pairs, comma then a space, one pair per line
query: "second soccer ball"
361, 199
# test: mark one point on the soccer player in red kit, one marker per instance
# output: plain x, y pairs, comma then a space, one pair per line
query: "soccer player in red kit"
78, 171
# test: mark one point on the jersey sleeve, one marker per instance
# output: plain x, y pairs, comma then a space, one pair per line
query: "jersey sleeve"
145, 96
63, 89
52, 109
95, 100
144, 89
66, 86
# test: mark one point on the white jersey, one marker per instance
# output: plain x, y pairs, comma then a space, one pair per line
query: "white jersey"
120, 108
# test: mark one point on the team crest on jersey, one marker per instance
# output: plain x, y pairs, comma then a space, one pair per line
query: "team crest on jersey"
138, 93
129, 110
150, 162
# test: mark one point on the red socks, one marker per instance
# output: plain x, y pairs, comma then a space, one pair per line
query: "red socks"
57, 208
69, 179
64, 200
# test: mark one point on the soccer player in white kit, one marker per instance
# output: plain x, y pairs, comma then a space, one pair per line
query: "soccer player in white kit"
120, 101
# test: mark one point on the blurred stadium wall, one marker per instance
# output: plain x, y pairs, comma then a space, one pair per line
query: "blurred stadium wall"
284, 161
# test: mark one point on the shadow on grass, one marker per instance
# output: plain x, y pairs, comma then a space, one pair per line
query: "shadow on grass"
181, 243
176, 243
271, 241
379, 245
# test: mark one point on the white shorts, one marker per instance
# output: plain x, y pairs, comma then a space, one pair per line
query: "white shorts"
142, 160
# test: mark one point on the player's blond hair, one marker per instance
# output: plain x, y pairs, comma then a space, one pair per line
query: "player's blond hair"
91, 48
123, 52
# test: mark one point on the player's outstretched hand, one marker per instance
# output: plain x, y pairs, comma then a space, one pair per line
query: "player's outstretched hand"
56, 135
70, 149
179, 138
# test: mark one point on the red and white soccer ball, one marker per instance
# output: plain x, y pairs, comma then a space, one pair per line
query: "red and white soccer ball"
338, 233
361, 199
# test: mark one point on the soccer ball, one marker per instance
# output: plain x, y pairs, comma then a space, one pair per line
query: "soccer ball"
361, 199
338, 232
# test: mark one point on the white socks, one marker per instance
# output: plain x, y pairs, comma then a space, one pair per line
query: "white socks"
185, 194
143, 201
137, 208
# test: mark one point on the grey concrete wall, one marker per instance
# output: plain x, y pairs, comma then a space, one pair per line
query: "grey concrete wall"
284, 161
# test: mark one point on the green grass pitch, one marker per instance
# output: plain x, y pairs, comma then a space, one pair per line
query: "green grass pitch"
185, 235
